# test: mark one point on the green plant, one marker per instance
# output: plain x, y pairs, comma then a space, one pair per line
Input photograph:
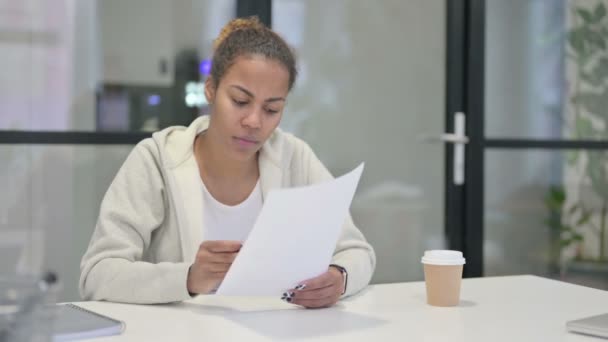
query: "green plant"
588, 51
563, 234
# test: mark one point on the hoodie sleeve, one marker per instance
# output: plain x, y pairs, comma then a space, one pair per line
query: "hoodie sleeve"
352, 251
132, 208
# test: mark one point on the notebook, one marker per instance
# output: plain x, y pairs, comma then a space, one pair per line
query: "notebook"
594, 325
73, 322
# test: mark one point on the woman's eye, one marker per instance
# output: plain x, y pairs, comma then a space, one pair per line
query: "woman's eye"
272, 111
239, 103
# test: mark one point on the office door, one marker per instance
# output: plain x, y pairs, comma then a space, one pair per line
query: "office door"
537, 86
372, 88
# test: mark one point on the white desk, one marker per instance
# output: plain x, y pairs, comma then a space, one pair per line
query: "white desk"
516, 308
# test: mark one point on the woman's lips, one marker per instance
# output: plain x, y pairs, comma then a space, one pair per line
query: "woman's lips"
245, 142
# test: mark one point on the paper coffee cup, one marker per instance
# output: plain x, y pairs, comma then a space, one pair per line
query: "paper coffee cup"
442, 276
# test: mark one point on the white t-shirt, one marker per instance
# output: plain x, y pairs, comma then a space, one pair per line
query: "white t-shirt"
230, 222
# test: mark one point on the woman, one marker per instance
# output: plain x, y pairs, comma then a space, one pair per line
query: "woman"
206, 183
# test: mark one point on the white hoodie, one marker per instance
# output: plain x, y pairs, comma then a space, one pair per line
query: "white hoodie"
150, 223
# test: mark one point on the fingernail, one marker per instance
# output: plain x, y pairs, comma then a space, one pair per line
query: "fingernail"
300, 287
287, 296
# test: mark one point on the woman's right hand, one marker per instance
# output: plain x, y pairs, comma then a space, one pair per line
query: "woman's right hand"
213, 260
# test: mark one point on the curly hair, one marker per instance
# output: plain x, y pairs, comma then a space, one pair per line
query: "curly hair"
246, 37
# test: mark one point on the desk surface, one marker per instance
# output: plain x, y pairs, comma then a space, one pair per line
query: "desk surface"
514, 308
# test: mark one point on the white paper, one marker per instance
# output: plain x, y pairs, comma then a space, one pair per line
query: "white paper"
293, 238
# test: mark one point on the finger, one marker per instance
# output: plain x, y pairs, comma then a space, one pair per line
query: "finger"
324, 280
217, 268
206, 275
215, 281
219, 246
324, 292
216, 278
206, 256
222, 258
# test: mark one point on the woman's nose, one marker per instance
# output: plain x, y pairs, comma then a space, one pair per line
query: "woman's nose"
253, 119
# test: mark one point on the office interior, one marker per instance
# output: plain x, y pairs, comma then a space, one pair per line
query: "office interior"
379, 82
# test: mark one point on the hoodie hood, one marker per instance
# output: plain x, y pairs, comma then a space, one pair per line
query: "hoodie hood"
175, 144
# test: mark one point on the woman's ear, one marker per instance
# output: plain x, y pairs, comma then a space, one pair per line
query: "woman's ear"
210, 90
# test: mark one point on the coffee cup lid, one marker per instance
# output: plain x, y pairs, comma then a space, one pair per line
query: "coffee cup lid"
443, 257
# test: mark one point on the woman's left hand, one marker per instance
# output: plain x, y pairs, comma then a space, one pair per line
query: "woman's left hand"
320, 292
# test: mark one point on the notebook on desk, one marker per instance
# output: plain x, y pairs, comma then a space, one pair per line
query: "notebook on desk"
594, 325
73, 322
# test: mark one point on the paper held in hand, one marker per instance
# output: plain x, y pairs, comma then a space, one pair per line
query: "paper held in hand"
293, 238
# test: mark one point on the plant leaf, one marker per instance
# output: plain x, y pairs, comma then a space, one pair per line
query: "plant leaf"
592, 78
584, 128
566, 228
597, 173
585, 14
573, 209
600, 71
558, 194
577, 43
596, 38
571, 157
594, 103
599, 12
584, 219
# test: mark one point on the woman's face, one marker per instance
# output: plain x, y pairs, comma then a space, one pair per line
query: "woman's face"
247, 105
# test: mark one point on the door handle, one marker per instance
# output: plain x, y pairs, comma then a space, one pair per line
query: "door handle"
459, 139
453, 138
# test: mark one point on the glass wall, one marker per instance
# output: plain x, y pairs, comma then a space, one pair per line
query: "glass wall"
546, 80
546, 219
524, 74
372, 89
49, 206
105, 65
90, 66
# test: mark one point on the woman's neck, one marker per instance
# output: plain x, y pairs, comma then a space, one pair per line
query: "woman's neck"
213, 163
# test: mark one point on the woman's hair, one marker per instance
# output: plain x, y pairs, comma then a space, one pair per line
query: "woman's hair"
246, 37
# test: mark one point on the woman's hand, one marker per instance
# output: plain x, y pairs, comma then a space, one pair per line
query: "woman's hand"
320, 292
213, 260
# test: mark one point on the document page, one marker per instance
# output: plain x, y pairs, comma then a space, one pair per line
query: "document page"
293, 238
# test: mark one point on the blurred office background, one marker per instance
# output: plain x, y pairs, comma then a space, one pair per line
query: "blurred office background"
83, 81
